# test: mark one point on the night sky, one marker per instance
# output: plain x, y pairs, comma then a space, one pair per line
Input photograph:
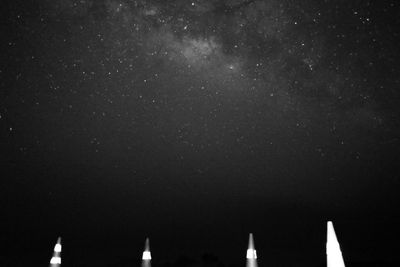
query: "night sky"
195, 123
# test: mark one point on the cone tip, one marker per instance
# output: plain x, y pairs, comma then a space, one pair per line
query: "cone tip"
147, 244
251, 236
251, 241
330, 228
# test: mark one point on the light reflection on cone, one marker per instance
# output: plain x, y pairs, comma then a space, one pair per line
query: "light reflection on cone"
334, 256
251, 254
146, 257
55, 261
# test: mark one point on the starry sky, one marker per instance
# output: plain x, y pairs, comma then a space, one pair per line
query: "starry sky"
197, 122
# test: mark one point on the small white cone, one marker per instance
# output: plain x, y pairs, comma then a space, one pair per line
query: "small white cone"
251, 254
146, 257
55, 261
334, 256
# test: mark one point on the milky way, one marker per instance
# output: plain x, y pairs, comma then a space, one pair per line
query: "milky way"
210, 82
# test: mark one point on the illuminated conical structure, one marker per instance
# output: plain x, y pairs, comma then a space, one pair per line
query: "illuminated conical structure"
146, 258
56, 259
251, 255
334, 256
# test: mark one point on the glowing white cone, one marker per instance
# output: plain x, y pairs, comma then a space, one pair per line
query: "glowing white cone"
146, 258
56, 259
334, 256
251, 255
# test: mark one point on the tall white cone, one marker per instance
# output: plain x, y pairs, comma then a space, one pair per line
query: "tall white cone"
146, 257
334, 256
56, 259
251, 254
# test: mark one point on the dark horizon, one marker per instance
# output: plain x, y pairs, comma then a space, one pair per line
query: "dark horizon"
195, 123
285, 241
126, 251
